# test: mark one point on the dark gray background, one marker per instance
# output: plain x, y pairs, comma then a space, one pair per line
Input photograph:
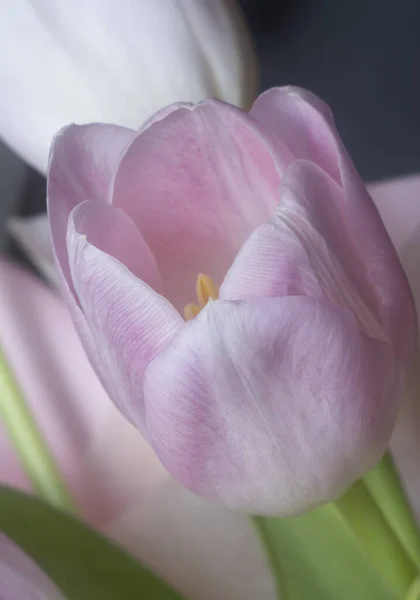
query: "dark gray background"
361, 56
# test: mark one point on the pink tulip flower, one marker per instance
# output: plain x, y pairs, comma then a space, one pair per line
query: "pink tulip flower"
118, 484
283, 386
21, 578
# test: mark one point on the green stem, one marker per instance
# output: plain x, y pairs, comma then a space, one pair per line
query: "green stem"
414, 591
385, 487
377, 538
30, 446
260, 525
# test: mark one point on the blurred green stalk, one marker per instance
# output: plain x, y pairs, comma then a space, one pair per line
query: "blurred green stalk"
30, 446
384, 484
377, 538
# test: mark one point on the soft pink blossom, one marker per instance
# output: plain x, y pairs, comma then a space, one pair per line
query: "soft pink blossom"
118, 483
282, 392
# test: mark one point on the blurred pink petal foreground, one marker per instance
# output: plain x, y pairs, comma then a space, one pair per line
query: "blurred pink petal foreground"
398, 202
21, 578
119, 485
285, 389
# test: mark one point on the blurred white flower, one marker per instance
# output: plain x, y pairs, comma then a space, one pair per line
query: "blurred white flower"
65, 61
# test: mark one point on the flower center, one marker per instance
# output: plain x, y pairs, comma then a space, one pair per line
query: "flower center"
205, 289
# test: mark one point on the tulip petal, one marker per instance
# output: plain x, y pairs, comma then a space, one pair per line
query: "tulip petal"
94, 61
82, 163
222, 34
21, 578
34, 237
196, 182
113, 232
272, 405
222, 555
128, 322
306, 250
272, 262
305, 125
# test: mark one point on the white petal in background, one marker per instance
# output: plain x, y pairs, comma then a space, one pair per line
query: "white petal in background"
84, 61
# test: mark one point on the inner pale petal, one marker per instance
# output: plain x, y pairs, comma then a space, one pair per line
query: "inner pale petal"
196, 184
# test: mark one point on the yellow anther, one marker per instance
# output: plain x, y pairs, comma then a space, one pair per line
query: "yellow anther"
191, 311
205, 289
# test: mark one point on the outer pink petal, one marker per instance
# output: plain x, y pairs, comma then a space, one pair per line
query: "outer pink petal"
21, 578
128, 322
272, 262
196, 181
272, 405
82, 163
305, 124
306, 250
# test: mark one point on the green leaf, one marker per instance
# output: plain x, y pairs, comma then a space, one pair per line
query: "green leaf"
30, 446
384, 484
82, 563
377, 538
317, 556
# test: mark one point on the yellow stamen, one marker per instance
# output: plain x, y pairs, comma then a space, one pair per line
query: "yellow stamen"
191, 311
205, 289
